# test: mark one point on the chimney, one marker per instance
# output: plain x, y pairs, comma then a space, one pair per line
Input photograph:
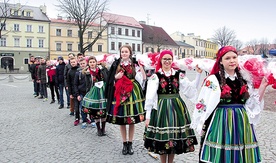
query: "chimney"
59, 17
142, 22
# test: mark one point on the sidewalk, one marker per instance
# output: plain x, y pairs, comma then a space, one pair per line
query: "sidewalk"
36, 131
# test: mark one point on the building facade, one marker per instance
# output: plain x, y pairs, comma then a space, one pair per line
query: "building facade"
25, 34
64, 39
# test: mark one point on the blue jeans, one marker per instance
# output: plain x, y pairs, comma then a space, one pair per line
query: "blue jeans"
60, 88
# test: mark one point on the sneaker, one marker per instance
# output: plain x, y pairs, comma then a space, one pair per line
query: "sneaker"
71, 113
76, 122
53, 101
45, 99
40, 97
83, 125
60, 107
35, 96
93, 124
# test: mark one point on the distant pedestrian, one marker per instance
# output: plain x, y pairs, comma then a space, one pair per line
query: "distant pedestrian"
51, 74
60, 80
42, 79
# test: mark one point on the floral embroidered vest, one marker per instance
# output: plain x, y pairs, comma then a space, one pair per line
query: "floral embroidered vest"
233, 92
128, 70
168, 85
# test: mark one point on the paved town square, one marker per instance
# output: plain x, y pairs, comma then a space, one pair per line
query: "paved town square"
36, 131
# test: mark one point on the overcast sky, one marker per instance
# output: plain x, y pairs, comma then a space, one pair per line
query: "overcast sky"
250, 19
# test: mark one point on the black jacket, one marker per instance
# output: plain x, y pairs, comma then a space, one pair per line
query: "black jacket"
60, 73
71, 79
79, 83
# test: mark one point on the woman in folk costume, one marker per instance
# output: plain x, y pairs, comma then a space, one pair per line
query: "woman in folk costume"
226, 110
168, 121
125, 98
94, 102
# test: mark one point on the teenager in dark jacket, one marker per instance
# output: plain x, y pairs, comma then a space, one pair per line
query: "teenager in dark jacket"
51, 73
60, 80
70, 83
80, 90
42, 79
66, 69
31, 67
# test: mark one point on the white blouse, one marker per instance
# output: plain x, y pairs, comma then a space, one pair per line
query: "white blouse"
209, 98
186, 87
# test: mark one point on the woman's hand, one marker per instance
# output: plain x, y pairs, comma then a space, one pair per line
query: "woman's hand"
119, 75
147, 122
199, 70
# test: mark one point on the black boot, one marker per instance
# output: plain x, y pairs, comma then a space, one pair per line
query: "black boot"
129, 148
103, 128
99, 132
125, 147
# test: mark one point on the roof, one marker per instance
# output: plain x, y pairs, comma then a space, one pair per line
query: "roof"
38, 15
69, 21
154, 34
181, 43
121, 20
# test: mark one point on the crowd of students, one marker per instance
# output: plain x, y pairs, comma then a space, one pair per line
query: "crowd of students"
122, 94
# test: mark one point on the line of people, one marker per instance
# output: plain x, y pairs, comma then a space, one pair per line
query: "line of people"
225, 109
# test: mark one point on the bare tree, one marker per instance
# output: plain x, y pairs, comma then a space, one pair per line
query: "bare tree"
224, 36
85, 13
3, 16
263, 50
237, 44
253, 46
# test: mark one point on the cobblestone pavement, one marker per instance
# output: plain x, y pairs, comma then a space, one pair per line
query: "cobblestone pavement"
36, 131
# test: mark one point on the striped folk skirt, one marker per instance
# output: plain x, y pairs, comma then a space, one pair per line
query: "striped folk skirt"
95, 102
230, 137
131, 111
169, 129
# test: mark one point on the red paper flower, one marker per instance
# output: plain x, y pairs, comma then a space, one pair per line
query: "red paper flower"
243, 89
226, 91
208, 83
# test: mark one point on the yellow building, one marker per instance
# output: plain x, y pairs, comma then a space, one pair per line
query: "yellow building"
64, 38
25, 33
211, 49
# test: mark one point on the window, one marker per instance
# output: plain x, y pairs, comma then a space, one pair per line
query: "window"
16, 27
119, 45
16, 42
3, 42
138, 33
29, 28
119, 31
100, 48
89, 34
113, 30
28, 14
26, 61
58, 32
133, 47
40, 43
58, 46
138, 47
69, 47
126, 32
133, 33
15, 13
69, 33
112, 45
90, 48
3, 25
147, 49
40, 29
29, 42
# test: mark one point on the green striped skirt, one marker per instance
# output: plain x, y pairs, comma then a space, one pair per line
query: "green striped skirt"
230, 137
169, 129
131, 111
95, 102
